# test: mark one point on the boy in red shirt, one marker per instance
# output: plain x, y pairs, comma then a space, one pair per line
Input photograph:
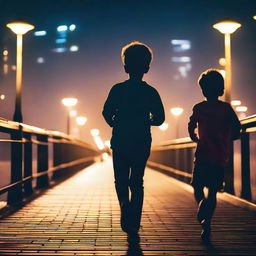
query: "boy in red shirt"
217, 126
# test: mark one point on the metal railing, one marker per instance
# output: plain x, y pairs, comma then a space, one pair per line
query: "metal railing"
176, 159
67, 156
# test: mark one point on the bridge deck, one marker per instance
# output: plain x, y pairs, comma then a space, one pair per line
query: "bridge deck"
81, 217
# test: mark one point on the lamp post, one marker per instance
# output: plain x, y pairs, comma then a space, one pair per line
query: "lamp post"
176, 112
227, 28
81, 121
69, 103
20, 29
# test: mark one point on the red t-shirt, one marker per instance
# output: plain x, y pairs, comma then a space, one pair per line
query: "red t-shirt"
217, 126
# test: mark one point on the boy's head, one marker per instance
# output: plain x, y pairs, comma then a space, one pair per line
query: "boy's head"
136, 58
212, 83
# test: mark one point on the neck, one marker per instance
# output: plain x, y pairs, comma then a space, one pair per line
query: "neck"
136, 77
212, 99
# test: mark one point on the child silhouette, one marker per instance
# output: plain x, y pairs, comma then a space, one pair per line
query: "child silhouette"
131, 108
217, 126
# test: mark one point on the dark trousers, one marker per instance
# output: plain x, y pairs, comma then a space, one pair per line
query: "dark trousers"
129, 169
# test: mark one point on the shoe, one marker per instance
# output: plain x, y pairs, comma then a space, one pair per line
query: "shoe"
202, 210
206, 231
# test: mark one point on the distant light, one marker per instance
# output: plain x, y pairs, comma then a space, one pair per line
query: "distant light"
72, 27
222, 62
20, 28
5, 52
235, 102
2, 97
181, 45
62, 28
183, 71
95, 132
107, 143
5, 68
81, 120
59, 49
176, 111
69, 102
74, 48
241, 109
105, 156
60, 40
73, 113
227, 27
98, 141
254, 17
223, 73
40, 60
181, 59
13, 67
40, 33
163, 127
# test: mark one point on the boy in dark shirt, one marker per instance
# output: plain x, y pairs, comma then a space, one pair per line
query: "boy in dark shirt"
131, 108
217, 126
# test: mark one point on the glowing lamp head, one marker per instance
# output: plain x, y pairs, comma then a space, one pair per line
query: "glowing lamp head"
227, 27
163, 127
69, 102
235, 102
81, 120
241, 109
95, 132
176, 111
20, 28
254, 17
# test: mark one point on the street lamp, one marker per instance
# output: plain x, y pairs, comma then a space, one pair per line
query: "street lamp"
69, 103
20, 29
176, 112
227, 28
235, 103
95, 132
81, 121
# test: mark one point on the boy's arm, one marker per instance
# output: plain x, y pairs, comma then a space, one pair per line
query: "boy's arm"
157, 116
109, 109
235, 125
192, 125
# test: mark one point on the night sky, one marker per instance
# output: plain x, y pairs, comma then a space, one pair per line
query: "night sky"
102, 29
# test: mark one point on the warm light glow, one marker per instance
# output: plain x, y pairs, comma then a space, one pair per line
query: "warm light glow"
176, 111
227, 27
95, 132
81, 120
98, 141
107, 143
235, 102
223, 72
222, 62
5, 52
163, 127
105, 156
69, 102
2, 97
241, 109
20, 28
73, 113
254, 17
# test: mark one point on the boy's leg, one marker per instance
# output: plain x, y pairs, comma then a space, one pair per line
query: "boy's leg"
211, 202
137, 188
198, 193
121, 174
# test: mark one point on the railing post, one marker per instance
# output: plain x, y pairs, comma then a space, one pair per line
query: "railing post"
229, 173
28, 189
245, 162
57, 157
15, 194
42, 161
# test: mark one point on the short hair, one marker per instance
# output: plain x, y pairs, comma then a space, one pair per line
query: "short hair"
211, 82
136, 57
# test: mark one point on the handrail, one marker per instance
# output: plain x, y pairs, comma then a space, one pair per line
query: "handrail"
69, 154
175, 157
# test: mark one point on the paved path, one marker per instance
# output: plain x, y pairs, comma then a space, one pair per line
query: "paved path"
81, 217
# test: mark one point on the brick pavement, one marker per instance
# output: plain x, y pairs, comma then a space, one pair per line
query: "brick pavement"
81, 217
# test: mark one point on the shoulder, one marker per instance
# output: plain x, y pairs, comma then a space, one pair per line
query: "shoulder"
199, 105
150, 89
117, 87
